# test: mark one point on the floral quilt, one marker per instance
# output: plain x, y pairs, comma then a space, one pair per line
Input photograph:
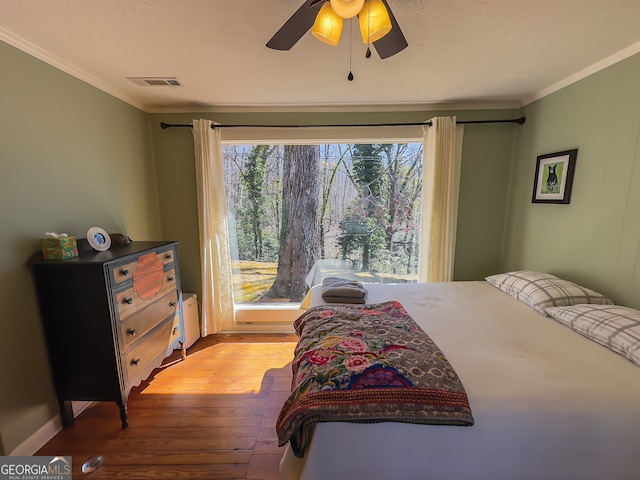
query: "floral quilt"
367, 364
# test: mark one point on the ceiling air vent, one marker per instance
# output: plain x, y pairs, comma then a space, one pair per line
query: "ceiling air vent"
155, 81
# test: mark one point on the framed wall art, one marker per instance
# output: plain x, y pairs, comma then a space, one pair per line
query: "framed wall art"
554, 177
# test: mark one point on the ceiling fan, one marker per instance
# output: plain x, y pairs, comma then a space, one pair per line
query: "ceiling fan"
305, 17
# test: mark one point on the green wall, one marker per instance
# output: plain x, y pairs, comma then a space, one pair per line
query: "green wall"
72, 157
484, 182
595, 240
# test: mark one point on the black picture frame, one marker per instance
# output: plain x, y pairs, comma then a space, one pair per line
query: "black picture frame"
553, 179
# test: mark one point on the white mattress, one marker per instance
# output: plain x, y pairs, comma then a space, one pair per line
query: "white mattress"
547, 402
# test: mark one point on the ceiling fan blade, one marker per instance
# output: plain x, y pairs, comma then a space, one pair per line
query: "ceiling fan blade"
394, 41
294, 28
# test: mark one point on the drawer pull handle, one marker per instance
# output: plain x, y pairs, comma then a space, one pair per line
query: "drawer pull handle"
170, 279
128, 301
172, 304
168, 256
125, 272
135, 362
175, 329
132, 332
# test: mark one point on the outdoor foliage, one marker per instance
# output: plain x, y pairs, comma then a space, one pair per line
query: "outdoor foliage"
366, 205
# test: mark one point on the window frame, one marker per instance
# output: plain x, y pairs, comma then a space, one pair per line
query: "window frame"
286, 313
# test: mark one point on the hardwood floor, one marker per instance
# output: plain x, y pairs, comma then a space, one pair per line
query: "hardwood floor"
211, 416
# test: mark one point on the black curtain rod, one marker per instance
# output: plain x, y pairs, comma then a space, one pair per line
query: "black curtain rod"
519, 121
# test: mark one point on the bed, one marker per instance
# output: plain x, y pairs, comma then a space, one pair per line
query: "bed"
547, 402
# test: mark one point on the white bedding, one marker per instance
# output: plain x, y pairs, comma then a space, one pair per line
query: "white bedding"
547, 402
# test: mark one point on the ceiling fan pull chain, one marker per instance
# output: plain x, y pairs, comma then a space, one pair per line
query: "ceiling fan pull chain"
368, 53
350, 76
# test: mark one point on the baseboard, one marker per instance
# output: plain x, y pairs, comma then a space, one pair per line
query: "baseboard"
49, 430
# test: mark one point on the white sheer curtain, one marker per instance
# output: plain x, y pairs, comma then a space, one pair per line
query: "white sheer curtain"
440, 187
217, 292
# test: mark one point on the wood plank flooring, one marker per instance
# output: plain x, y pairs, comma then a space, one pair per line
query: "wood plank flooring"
211, 416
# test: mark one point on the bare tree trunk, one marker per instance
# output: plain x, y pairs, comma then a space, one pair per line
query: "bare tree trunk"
299, 237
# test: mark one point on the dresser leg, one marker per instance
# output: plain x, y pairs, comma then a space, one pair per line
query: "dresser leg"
124, 415
66, 413
184, 350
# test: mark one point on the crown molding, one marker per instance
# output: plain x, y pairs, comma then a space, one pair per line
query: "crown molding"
41, 54
596, 67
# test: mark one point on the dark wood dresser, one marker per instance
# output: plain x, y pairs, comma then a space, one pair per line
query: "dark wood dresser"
110, 318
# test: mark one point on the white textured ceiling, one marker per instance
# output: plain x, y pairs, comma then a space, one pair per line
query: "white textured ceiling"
462, 52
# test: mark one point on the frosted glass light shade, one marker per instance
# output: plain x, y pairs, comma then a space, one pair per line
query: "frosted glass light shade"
328, 25
375, 22
347, 8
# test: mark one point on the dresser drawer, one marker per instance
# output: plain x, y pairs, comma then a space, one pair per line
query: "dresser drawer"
167, 256
138, 324
125, 271
147, 350
122, 273
132, 299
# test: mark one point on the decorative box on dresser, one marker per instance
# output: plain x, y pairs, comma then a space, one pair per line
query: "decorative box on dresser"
110, 318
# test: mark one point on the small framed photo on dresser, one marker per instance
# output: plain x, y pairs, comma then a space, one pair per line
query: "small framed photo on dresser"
98, 239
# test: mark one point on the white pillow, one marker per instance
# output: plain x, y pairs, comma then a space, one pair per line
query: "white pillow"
613, 326
543, 290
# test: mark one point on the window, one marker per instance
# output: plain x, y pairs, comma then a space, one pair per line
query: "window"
299, 213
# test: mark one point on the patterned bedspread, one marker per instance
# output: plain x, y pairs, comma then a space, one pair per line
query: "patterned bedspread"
367, 364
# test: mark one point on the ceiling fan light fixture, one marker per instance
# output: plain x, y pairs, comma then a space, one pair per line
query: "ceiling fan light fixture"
328, 26
375, 22
347, 8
